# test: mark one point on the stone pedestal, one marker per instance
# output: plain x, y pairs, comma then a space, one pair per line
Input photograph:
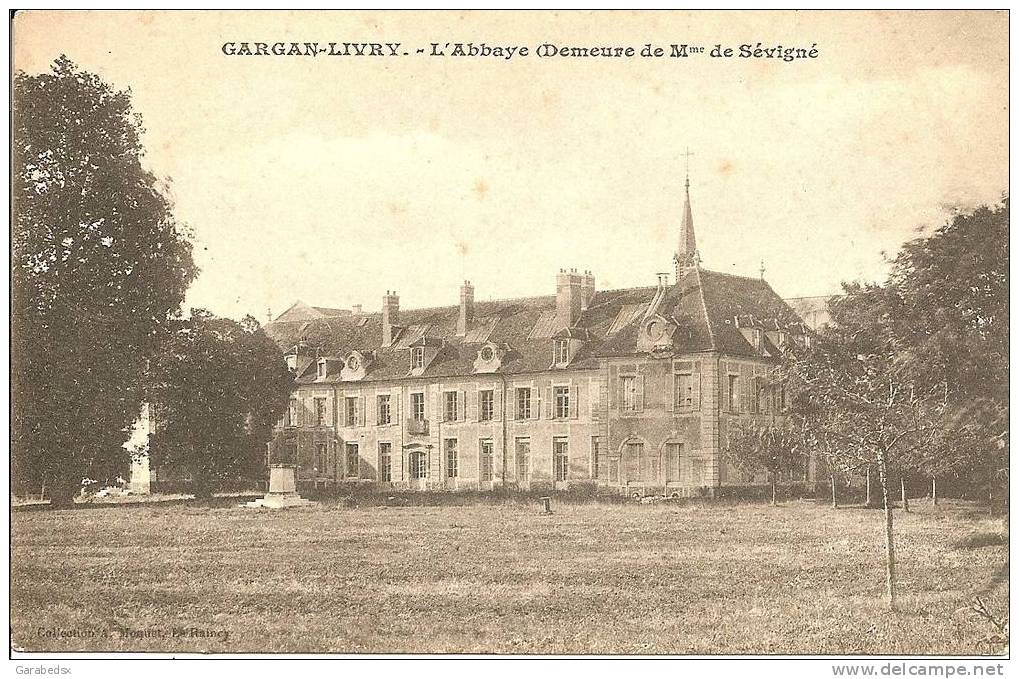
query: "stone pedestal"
282, 490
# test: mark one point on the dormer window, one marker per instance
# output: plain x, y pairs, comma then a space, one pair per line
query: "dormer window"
322, 368
417, 358
487, 353
561, 352
291, 361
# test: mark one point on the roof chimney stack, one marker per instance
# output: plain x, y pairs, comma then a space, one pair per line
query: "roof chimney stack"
586, 290
568, 298
390, 317
466, 317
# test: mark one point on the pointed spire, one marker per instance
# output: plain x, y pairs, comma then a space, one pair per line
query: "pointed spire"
686, 254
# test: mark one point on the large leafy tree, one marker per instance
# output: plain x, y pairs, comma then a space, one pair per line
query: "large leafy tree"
99, 265
951, 329
217, 389
952, 315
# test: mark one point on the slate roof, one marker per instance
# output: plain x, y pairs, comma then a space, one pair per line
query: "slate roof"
703, 304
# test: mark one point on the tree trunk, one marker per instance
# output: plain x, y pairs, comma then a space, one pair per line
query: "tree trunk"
62, 493
834, 498
934, 490
869, 500
889, 541
774, 491
905, 499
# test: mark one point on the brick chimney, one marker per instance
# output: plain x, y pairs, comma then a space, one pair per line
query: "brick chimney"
586, 289
568, 297
390, 316
466, 317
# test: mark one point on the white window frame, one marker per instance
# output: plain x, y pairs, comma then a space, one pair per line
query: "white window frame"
522, 463
417, 358
560, 451
446, 402
451, 458
484, 456
413, 406
350, 415
561, 402
486, 411
385, 461
560, 352
388, 401
418, 465
521, 413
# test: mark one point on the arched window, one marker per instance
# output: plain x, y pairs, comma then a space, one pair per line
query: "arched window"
642, 464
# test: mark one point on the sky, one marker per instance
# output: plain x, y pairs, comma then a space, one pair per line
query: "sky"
334, 179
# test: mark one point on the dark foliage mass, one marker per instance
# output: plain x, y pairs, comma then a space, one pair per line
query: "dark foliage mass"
99, 267
217, 389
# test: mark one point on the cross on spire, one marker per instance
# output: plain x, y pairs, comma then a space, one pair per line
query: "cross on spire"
687, 153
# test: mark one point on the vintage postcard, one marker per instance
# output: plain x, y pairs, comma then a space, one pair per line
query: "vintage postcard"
557, 333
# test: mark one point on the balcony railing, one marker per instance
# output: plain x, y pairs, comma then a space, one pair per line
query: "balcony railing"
417, 426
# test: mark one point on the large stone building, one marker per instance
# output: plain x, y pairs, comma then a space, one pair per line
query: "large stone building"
627, 389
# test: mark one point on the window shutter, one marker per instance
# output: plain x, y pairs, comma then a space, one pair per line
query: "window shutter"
638, 383
511, 407
696, 393
574, 401
462, 407
535, 402
496, 403
475, 398
360, 411
394, 405
549, 403
745, 388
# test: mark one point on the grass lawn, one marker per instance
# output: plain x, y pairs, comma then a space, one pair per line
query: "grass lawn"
592, 578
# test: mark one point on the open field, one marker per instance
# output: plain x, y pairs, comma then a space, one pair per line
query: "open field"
686, 579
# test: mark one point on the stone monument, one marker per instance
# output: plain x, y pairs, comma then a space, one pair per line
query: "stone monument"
282, 489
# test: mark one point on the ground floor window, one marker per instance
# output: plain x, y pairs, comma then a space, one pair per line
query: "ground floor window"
523, 458
386, 461
321, 458
451, 459
353, 460
595, 452
418, 465
561, 458
673, 454
642, 464
485, 456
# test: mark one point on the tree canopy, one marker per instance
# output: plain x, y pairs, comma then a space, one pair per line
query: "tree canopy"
99, 266
217, 389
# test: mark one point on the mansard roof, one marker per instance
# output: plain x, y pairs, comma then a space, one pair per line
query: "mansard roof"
703, 305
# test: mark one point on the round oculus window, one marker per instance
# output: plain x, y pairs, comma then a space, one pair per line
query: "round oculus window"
655, 329
353, 363
487, 354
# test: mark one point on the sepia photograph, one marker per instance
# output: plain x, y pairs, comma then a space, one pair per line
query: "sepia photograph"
547, 333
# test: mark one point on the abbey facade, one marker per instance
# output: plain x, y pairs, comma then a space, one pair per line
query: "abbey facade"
628, 389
